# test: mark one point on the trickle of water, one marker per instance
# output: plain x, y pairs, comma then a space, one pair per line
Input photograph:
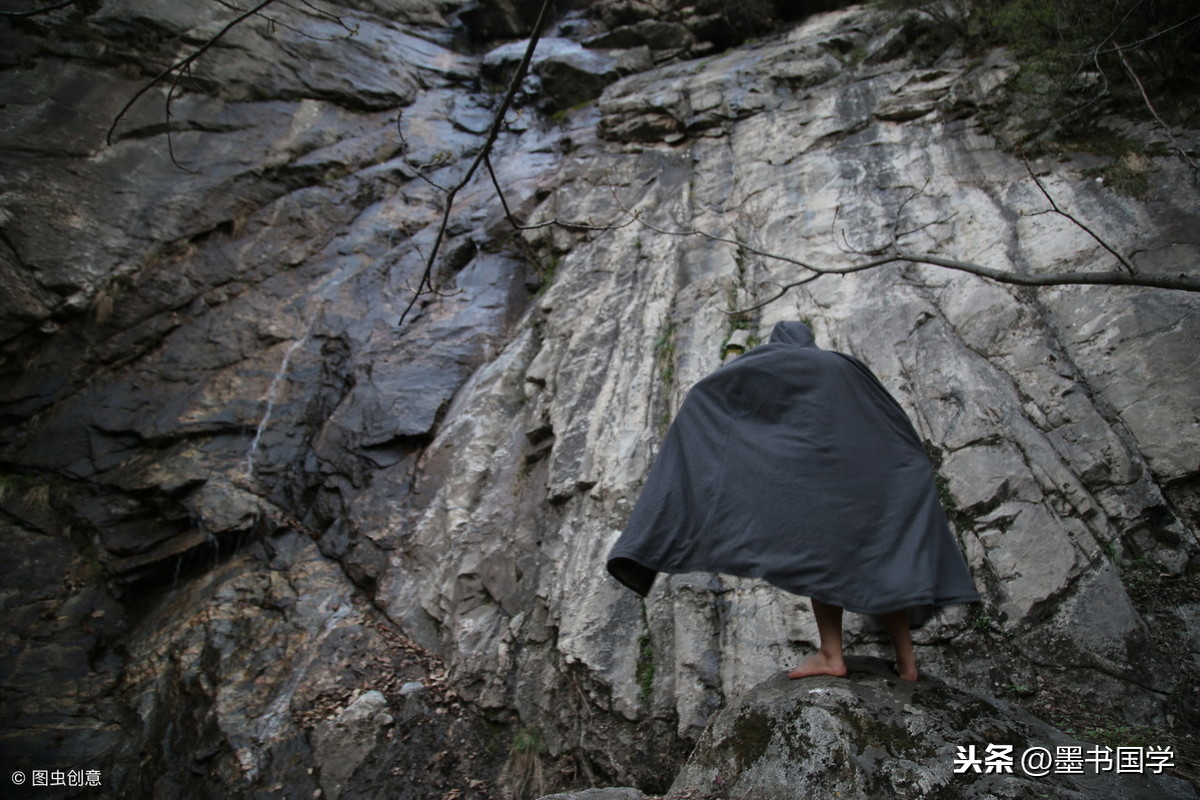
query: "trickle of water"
216, 547
271, 396
331, 283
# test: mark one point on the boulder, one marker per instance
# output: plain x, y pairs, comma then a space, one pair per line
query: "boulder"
619, 793
569, 73
874, 736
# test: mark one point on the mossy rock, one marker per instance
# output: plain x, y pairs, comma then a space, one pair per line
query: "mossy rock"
872, 735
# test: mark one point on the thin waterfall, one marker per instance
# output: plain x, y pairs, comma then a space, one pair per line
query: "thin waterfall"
270, 397
272, 394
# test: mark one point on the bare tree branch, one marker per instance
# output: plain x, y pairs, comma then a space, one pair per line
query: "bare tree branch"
181, 65
167, 105
892, 254
889, 254
419, 169
493, 132
329, 15
312, 11
1053, 205
562, 223
43, 10
1101, 50
1182, 281
712, 237
1153, 111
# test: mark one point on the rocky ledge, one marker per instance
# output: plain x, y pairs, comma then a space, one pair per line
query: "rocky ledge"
871, 736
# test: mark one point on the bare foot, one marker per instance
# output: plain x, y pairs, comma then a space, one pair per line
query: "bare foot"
907, 673
820, 664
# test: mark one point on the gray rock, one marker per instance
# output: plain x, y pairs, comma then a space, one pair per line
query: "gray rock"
874, 736
651, 33
623, 793
688, 97
236, 493
342, 743
570, 73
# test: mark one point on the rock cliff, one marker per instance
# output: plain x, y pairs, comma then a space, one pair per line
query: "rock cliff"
265, 538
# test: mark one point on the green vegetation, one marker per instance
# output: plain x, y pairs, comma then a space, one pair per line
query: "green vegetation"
644, 672
31, 493
562, 115
943, 485
738, 322
1079, 58
528, 740
664, 357
980, 620
1129, 174
523, 774
1113, 552
645, 668
753, 732
944, 495
546, 274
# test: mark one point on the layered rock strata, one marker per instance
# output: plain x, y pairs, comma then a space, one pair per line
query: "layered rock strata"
246, 508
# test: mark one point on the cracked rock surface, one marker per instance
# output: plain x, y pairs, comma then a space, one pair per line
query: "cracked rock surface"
872, 735
260, 532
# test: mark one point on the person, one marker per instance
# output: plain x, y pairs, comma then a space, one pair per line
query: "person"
795, 465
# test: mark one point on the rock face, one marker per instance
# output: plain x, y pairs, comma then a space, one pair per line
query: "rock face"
245, 508
873, 736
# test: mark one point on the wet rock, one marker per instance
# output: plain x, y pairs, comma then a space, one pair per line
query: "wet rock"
58, 631
570, 73
683, 98
489, 20
651, 33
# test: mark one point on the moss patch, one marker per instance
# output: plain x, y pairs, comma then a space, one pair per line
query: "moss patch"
752, 733
645, 668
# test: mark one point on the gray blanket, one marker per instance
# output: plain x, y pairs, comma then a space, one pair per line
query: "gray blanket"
794, 464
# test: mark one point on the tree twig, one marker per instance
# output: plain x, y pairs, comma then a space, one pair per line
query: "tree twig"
1153, 111
181, 65
892, 254
562, 223
889, 254
167, 104
712, 237
35, 11
1180, 282
493, 132
1053, 205
311, 11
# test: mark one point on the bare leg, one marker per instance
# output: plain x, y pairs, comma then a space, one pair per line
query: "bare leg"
828, 660
896, 625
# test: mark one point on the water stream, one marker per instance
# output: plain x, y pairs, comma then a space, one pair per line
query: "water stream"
271, 396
